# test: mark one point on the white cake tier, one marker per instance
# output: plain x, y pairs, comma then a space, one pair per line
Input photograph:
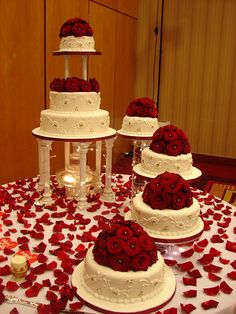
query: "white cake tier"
74, 102
154, 163
166, 222
121, 287
72, 43
139, 125
74, 124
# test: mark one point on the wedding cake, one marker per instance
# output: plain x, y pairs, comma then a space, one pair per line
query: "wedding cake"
168, 151
140, 119
124, 268
76, 35
166, 208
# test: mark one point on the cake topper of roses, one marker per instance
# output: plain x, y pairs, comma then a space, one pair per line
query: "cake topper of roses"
170, 140
125, 246
74, 84
142, 107
168, 191
76, 27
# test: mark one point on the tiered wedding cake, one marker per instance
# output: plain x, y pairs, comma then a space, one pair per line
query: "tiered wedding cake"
124, 269
168, 151
166, 209
140, 119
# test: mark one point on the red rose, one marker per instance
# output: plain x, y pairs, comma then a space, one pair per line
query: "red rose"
79, 29
156, 184
84, 86
124, 233
173, 185
159, 200
157, 146
158, 134
120, 262
170, 136
142, 111
146, 194
58, 85
138, 230
94, 85
75, 20
88, 30
66, 30
72, 84
186, 147
132, 247
174, 148
131, 110
152, 112
154, 255
114, 245
146, 243
178, 200
188, 199
181, 134
141, 262
101, 241
101, 257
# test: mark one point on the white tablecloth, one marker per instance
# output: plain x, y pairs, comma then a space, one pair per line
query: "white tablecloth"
23, 220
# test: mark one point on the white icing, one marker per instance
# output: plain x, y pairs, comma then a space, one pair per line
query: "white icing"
74, 123
122, 287
139, 125
72, 43
166, 222
154, 163
74, 102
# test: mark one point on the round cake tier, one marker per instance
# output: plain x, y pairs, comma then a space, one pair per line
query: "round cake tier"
74, 124
165, 222
106, 289
154, 163
72, 43
143, 126
74, 102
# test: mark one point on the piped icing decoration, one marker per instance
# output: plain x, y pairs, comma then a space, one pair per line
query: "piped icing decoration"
125, 246
170, 140
168, 191
76, 27
74, 84
142, 107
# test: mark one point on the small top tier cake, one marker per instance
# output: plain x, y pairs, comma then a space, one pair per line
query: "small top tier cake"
168, 151
166, 208
76, 35
124, 266
141, 118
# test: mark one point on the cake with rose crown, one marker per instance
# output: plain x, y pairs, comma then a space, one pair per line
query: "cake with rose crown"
74, 103
76, 35
169, 151
166, 208
140, 119
124, 269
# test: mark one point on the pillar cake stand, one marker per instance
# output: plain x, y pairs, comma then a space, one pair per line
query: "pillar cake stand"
81, 142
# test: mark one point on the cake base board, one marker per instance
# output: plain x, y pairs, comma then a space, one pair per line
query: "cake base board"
135, 136
89, 138
193, 174
147, 306
188, 237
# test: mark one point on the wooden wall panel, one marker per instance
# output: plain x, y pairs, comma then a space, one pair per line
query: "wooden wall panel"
57, 12
128, 7
197, 88
112, 4
22, 86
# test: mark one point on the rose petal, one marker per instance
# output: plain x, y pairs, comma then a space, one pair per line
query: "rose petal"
195, 273
170, 262
232, 275
224, 261
12, 286
216, 238
206, 259
188, 253
185, 266
231, 246
209, 304
212, 268
187, 308
5, 270
189, 281
213, 277
76, 306
225, 288
203, 243
212, 291
190, 293
233, 264
214, 252
33, 291
171, 310
198, 249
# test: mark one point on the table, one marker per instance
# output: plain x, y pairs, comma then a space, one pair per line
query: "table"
59, 234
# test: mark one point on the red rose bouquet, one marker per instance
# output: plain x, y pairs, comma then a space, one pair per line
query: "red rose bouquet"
124, 246
76, 27
74, 84
170, 140
168, 191
142, 107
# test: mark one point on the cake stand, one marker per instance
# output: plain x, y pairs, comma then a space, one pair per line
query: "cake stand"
82, 142
142, 307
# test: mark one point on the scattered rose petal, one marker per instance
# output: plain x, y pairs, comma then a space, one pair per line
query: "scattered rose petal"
213, 277
189, 281
187, 308
233, 264
209, 304
33, 291
190, 293
232, 275
12, 286
206, 259
231, 246
212, 291
214, 252
224, 261
188, 253
202, 243
212, 268
170, 262
171, 310
76, 306
225, 288
195, 273
185, 266
216, 238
